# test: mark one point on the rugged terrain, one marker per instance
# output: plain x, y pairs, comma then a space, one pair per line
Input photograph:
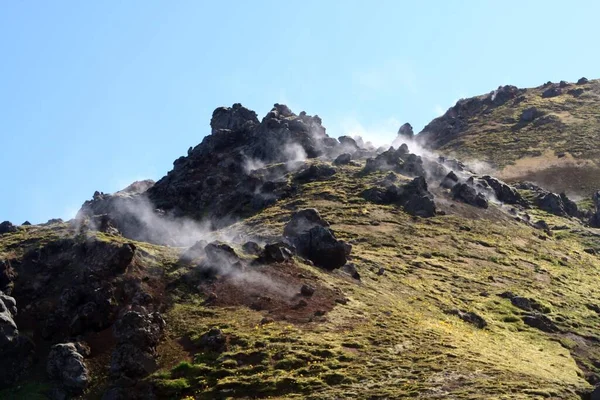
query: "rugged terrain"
275, 261
548, 134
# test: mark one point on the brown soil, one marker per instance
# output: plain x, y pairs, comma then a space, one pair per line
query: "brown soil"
275, 290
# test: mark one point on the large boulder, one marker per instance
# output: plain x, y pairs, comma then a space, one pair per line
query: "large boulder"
312, 238
234, 118
449, 180
530, 113
302, 221
7, 227
67, 366
343, 159
315, 172
468, 194
406, 131
556, 204
504, 192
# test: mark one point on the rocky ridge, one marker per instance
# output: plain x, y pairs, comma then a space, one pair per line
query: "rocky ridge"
103, 294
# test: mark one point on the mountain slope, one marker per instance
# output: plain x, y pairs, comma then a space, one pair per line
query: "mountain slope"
548, 134
415, 278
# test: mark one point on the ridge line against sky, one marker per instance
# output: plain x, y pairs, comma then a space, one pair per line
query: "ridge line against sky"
95, 95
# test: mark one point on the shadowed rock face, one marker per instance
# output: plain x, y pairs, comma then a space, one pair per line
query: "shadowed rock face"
313, 239
222, 177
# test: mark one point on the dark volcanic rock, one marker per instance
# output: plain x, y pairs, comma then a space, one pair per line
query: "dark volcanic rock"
400, 161
449, 180
302, 221
414, 197
351, 270
312, 238
16, 351
503, 192
214, 340
7, 227
234, 118
552, 91
7, 275
67, 366
540, 322
343, 159
251, 248
470, 317
315, 172
220, 254
556, 204
137, 336
348, 143
531, 113
406, 131
277, 252
469, 195
216, 178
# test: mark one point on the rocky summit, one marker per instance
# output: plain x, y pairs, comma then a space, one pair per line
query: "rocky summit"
274, 261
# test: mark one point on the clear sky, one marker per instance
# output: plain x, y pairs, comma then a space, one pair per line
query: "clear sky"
97, 94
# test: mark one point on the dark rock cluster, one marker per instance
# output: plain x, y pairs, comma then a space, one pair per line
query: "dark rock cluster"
414, 196
16, 350
398, 160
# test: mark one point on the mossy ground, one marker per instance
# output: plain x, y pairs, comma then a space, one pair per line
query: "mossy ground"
530, 151
393, 339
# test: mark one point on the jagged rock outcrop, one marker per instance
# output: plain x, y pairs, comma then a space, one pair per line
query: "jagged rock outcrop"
414, 196
67, 366
406, 131
137, 336
222, 177
16, 350
468, 194
504, 192
449, 180
398, 160
126, 212
234, 118
556, 204
312, 238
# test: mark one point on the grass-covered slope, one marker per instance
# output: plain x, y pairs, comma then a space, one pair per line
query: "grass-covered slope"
555, 145
393, 338
394, 333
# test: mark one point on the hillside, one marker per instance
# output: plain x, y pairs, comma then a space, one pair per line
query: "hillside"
276, 262
548, 134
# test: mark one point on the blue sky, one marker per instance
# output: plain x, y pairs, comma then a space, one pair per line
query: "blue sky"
97, 94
